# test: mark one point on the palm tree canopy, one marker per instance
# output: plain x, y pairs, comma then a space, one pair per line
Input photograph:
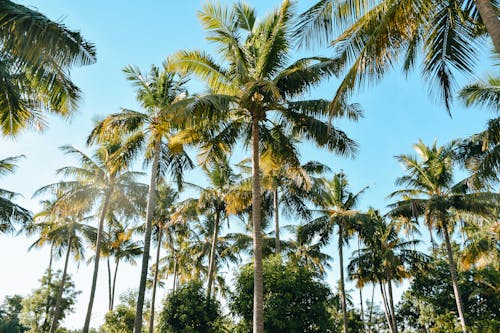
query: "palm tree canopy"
36, 54
253, 78
336, 208
372, 37
10, 212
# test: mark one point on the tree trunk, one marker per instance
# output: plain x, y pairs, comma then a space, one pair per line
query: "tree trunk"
155, 282
147, 237
391, 302
454, 279
371, 309
342, 287
258, 295
490, 19
386, 307
213, 250
55, 319
98, 245
361, 296
174, 283
49, 281
114, 284
110, 287
277, 245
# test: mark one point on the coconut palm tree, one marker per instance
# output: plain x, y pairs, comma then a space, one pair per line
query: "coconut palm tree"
164, 99
305, 253
481, 152
213, 202
385, 258
165, 207
432, 193
71, 232
10, 212
336, 204
259, 85
99, 181
289, 185
120, 245
372, 37
36, 55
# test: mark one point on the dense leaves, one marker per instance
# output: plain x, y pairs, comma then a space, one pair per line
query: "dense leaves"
295, 300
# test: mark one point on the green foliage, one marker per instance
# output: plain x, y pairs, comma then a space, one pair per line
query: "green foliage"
189, 311
120, 320
294, 300
429, 303
9, 315
34, 313
36, 54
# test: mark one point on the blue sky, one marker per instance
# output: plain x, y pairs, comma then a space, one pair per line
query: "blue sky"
398, 111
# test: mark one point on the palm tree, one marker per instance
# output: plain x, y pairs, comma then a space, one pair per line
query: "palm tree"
481, 152
70, 230
119, 244
213, 202
337, 205
289, 185
99, 181
9, 211
255, 86
167, 198
386, 257
164, 99
305, 253
36, 55
374, 36
431, 193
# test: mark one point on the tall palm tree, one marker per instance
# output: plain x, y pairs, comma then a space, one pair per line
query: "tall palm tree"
70, 230
120, 245
213, 202
289, 185
164, 99
481, 152
432, 193
372, 37
385, 258
336, 204
9, 211
306, 253
255, 85
99, 180
36, 54
165, 207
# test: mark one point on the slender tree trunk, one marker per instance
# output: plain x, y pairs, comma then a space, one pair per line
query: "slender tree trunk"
110, 287
371, 309
49, 281
277, 245
386, 307
361, 296
55, 319
213, 250
114, 284
155, 282
342, 287
434, 246
98, 245
258, 295
454, 279
147, 237
391, 302
490, 19
174, 286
